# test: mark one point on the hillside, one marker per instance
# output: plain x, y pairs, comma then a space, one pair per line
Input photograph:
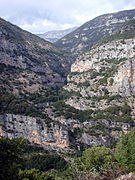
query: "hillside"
84, 37
102, 85
31, 71
54, 36
28, 61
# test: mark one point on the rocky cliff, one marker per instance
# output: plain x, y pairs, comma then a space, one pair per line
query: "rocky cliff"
58, 135
102, 86
109, 66
36, 130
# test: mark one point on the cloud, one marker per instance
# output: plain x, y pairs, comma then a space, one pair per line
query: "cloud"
44, 15
40, 26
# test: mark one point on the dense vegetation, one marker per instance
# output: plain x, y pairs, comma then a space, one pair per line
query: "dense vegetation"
10, 103
46, 162
125, 152
62, 109
20, 160
29, 104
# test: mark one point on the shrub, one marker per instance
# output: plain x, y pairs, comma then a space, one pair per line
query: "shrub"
34, 174
125, 151
62, 109
97, 158
47, 162
111, 81
10, 158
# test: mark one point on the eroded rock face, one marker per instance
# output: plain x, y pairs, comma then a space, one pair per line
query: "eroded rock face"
36, 130
92, 136
56, 137
112, 50
130, 176
110, 66
102, 83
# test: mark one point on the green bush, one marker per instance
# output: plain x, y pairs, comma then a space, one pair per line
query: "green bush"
98, 158
46, 162
111, 81
125, 151
62, 109
34, 174
10, 158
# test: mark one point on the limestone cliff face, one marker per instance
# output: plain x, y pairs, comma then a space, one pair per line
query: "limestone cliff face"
102, 84
107, 68
93, 136
54, 136
112, 50
36, 130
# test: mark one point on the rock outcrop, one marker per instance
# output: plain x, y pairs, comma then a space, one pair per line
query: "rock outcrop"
36, 130
110, 66
56, 135
102, 85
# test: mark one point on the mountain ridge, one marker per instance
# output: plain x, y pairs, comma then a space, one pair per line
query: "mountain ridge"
53, 36
87, 35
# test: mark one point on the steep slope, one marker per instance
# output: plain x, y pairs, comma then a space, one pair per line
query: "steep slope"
31, 70
93, 31
53, 36
101, 89
29, 60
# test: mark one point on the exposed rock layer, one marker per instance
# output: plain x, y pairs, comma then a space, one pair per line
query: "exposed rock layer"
36, 130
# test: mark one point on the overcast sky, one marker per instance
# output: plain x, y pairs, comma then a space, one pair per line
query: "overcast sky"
39, 16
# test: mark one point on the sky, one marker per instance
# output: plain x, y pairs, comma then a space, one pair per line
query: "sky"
39, 16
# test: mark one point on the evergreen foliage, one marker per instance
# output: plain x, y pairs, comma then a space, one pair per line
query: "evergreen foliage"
125, 151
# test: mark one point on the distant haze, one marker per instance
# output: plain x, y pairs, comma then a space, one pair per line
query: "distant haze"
53, 36
39, 16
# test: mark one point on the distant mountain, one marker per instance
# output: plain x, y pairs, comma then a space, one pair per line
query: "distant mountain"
84, 37
53, 36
